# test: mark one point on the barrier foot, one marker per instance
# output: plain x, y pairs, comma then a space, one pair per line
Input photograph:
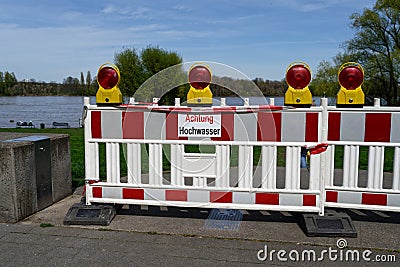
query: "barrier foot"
81, 214
332, 224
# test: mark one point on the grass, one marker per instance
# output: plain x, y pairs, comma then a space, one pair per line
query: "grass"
76, 146
78, 154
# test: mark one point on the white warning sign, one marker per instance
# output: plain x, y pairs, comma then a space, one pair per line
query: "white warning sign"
199, 125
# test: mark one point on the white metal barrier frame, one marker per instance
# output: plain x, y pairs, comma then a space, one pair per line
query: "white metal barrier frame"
250, 125
377, 128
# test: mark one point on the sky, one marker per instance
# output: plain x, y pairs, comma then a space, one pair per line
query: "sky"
50, 40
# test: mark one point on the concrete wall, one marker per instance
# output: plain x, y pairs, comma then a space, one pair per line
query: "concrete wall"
18, 184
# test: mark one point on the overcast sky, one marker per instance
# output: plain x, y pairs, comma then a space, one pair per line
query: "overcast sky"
50, 40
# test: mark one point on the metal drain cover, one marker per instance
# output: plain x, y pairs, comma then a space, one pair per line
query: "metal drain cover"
223, 219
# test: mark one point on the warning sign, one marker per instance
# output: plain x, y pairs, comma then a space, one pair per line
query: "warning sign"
199, 125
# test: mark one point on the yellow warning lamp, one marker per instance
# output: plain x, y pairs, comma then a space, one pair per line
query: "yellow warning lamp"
108, 78
298, 77
199, 79
351, 77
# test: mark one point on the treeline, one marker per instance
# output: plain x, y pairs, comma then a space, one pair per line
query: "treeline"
226, 86
7, 80
9, 86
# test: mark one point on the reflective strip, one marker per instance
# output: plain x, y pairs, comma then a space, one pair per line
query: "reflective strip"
349, 198
154, 126
133, 125
267, 198
331, 196
203, 196
393, 200
293, 126
132, 193
374, 199
334, 126
198, 196
312, 134
111, 124
377, 127
290, 199
352, 126
176, 195
245, 127
221, 197
269, 126
395, 131
363, 198
172, 126
364, 127
95, 125
154, 194
310, 200
243, 198
112, 193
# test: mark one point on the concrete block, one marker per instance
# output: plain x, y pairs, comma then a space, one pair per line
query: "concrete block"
19, 184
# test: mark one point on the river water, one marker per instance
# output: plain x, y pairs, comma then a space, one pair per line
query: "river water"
49, 109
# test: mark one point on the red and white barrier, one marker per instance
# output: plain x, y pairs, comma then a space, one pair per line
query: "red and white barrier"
378, 129
209, 180
205, 179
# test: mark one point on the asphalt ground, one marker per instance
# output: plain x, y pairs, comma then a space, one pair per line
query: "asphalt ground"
172, 236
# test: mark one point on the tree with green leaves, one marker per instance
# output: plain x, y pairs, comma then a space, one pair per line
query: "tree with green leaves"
131, 70
9, 81
377, 46
82, 84
136, 68
325, 81
1, 83
88, 83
